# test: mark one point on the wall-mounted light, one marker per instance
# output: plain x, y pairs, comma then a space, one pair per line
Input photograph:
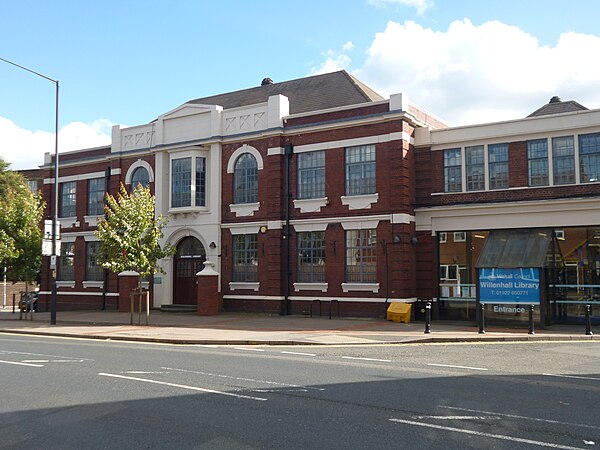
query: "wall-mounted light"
212, 245
414, 240
396, 239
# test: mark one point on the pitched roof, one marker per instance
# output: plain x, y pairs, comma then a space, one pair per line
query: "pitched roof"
312, 93
557, 106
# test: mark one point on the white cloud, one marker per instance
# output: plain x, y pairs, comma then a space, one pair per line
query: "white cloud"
334, 60
420, 5
477, 73
24, 149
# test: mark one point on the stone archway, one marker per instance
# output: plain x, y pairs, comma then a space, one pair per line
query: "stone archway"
188, 260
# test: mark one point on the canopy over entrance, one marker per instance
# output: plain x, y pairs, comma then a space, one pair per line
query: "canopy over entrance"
516, 248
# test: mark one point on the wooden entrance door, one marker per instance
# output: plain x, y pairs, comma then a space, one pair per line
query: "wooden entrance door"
188, 261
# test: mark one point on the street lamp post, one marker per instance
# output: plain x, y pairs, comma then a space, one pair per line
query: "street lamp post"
54, 257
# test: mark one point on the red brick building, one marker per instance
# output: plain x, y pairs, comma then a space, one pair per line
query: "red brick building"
320, 189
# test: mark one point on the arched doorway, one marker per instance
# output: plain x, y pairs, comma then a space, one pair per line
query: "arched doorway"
188, 261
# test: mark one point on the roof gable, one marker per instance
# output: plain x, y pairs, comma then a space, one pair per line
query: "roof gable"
557, 106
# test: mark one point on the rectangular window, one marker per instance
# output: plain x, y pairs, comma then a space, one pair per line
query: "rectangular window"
93, 272
443, 237
475, 166
563, 160
95, 197
537, 162
245, 257
589, 157
360, 170
460, 236
498, 165
452, 170
311, 257
311, 175
67, 199
200, 181
361, 256
181, 182
66, 262
33, 186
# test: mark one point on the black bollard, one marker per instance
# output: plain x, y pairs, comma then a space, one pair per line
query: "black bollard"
481, 319
531, 310
428, 318
588, 320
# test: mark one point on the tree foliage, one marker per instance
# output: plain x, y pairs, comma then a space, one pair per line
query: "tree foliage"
21, 214
129, 235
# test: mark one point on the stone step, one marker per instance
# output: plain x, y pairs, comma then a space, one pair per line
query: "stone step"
179, 308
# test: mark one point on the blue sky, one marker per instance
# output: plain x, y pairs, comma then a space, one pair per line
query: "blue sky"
127, 62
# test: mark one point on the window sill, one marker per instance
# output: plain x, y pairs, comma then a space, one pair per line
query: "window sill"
244, 285
93, 284
364, 287
359, 201
188, 210
92, 221
311, 204
311, 287
244, 209
65, 284
68, 222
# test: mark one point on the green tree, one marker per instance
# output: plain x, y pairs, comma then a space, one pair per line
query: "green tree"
129, 235
21, 213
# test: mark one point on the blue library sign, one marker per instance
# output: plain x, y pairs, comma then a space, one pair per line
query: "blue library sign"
509, 286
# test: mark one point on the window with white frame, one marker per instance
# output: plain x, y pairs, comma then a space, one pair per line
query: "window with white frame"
245, 257
66, 262
560, 234
452, 170
475, 168
498, 166
361, 256
537, 162
311, 175
68, 195
563, 160
311, 256
460, 236
589, 157
96, 191
245, 179
443, 237
183, 183
360, 170
93, 271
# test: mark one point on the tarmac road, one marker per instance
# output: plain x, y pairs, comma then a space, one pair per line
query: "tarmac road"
77, 393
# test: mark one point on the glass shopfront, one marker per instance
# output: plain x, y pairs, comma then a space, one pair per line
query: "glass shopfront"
567, 261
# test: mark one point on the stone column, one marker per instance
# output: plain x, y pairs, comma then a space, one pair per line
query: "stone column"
208, 299
128, 281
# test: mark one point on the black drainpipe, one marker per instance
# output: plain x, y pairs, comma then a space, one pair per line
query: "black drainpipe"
105, 284
289, 151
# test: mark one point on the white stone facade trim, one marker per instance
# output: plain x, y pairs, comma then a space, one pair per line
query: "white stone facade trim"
135, 165
311, 204
359, 201
240, 151
365, 287
244, 285
311, 287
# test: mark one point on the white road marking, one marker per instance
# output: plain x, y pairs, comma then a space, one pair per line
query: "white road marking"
457, 417
457, 367
9, 352
35, 360
300, 353
183, 386
66, 360
142, 372
366, 359
514, 416
249, 349
21, 363
489, 435
571, 376
243, 379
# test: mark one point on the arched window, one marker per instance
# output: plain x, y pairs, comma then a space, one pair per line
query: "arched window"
245, 179
140, 176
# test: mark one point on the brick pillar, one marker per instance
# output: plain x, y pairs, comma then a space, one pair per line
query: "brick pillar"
128, 281
208, 290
